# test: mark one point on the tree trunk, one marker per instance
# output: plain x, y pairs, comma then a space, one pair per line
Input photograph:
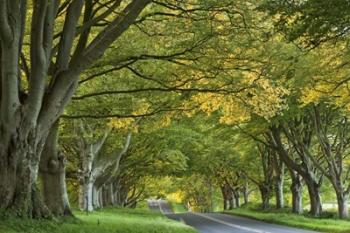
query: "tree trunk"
24, 122
297, 198
315, 198
52, 171
110, 190
237, 197
246, 194
88, 195
265, 196
19, 162
100, 198
279, 193
231, 203
343, 208
81, 197
105, 196
96, 202
297, 190
224, 198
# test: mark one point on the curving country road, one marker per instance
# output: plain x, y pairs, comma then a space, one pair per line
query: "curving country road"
221, 223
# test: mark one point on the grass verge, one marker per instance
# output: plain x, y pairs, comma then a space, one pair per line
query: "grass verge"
285, 217
178, 207
104, 221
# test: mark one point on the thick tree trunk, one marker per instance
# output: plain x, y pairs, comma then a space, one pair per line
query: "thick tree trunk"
265, 196
52, 171
105, 196
297, 190
315, 198
237, 198
231, 203
110, 192
224, 198
96, 201
279, 193
225, 203
88, 195
100, 198
278, 167
297, 197
24, 121
19, 162
246, 194
343, 208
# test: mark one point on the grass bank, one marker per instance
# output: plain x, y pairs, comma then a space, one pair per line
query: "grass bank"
178, 207
326, 223
104, 221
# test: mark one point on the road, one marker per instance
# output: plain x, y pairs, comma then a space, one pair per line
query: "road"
221, 223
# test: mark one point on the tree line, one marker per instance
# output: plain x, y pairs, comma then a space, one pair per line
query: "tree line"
91, 91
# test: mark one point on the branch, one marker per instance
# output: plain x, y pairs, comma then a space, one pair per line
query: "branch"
157, 89
66, 83
41, 39
89, 116
112, 32
68, 34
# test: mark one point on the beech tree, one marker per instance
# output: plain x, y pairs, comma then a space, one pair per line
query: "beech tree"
32, 100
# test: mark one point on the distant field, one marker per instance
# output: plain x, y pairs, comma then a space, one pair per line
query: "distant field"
106, 221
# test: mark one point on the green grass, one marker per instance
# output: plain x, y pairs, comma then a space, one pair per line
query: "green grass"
285, 217
178, 207
106, 221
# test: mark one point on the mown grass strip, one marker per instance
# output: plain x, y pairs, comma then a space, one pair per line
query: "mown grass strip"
284, 217
104, 221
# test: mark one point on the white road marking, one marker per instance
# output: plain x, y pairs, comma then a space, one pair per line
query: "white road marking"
230, 224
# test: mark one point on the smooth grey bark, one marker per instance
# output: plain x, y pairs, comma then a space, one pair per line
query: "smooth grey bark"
314, 197
227, 196
279, 193
107, 199
278, 167
88, 155
26, 117
88, 189
343, 206
297, 192
96, 201
333, 137
265, 181
110, 194
108, 169
237, 197
97, 171
265, 193
245, 191
53, 175
301, 142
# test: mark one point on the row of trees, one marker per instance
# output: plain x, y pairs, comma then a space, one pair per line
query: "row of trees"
296, 123
304, 153
201, 88
49, 49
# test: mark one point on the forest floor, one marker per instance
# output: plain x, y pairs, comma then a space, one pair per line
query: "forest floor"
326, 223
104, 221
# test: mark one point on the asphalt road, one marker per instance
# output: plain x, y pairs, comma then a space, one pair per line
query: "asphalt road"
221, 223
